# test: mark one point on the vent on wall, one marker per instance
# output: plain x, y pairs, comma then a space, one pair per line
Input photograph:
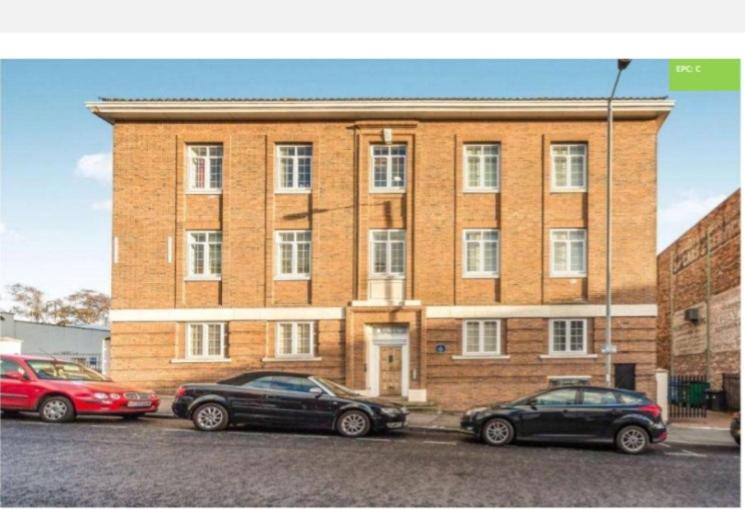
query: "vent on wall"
691, 315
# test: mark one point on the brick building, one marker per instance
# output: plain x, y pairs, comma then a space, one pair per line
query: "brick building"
450, 250
699, 297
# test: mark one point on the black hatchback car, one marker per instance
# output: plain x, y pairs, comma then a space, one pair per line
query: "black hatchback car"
285, 400
625, 418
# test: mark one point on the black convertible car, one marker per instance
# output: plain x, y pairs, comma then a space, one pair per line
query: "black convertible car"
287, 400
576, 414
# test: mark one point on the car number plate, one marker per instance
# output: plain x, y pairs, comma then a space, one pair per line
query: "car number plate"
138, 404
395, 424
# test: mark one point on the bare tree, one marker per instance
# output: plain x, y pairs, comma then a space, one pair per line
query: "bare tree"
59, 312
89, 306
82, 307
29, 302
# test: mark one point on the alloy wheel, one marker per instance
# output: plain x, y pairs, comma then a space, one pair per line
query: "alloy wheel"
497, 432
210, 417
353, 424
633, 440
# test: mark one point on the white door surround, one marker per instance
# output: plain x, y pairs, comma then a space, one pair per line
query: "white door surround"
378, 335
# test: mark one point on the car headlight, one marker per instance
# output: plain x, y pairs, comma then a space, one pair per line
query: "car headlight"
473, 411
390, 412
114, 395
100, 395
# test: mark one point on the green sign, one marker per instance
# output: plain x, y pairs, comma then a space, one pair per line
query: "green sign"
712, 74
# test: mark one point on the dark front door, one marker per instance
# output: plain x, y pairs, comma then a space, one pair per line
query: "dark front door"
626, 376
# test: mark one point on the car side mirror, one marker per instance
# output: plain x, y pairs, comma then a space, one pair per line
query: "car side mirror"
532, 403
316, 391
15, 375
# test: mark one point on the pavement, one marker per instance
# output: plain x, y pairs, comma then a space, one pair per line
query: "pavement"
713, 431
165, 462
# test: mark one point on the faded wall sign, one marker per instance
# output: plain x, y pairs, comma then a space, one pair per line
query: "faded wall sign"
725, 321
688, 337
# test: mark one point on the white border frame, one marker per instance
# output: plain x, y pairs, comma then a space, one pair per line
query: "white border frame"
567, 353
278, 189
372, 189
481, 189
372, 353
566, 273
569, 189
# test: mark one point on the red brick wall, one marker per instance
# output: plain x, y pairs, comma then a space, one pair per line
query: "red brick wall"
682, 284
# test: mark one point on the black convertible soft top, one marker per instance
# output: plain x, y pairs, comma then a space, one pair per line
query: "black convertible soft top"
250, 375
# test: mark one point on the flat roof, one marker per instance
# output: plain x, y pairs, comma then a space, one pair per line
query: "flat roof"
114, 109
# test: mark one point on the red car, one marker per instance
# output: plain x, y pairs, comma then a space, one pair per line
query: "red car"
60, 390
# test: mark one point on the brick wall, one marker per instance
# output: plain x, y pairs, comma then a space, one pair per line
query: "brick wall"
151, 207
701, 270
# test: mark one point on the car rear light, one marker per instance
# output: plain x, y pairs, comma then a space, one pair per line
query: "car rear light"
654, 410
180, 391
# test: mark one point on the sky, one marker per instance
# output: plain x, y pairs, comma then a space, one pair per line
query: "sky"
55, 181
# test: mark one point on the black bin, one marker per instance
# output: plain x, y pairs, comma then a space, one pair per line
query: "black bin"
715, 401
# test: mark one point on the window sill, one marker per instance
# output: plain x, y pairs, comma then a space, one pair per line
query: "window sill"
479, 357
387, 191
485, 190
193, 278
569, 356
568, 276
292, 278
205, 192
197, 360
480, 276
569, 190
379, 277
292, 191
371, 303
291, 359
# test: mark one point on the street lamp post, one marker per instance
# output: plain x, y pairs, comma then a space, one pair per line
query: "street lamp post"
609, 348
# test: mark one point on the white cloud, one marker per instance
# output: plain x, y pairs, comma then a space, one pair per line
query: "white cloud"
101, 205
683, 213
95, 166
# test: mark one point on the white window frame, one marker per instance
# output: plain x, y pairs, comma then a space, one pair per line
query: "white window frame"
481, 188
295, 340
205, 341
207, 189
568, 273
189, 257
371, 255
480, 274
294, 188
294, 275
568, 351
481, 352
569, 188
389, 169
